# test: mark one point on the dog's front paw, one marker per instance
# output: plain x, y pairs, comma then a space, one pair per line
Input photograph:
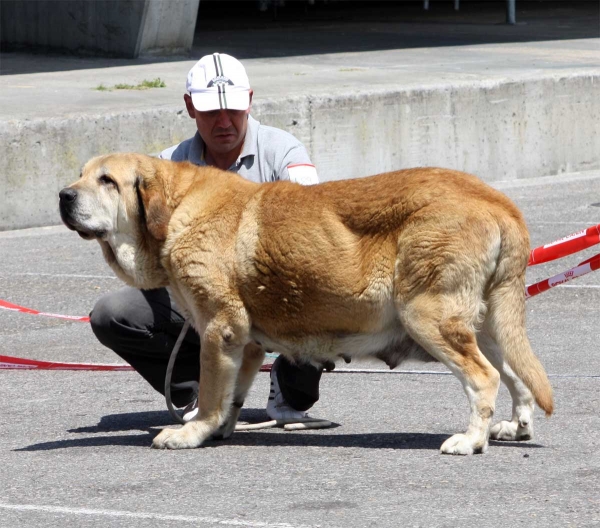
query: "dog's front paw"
461, 444
226, 430
184, 438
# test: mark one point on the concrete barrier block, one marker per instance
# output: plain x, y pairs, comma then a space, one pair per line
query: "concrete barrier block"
42, 156
496, 130
125, 28
499, 131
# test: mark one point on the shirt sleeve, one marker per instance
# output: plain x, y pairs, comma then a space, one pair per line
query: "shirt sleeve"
179, 152
298, 168
167, 153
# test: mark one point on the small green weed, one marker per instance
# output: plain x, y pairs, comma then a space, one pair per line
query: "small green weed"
144, 85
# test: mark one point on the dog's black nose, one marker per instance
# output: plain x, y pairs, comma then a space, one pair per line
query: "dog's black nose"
67, 195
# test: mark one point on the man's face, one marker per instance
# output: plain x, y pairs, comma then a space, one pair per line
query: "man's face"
222, 131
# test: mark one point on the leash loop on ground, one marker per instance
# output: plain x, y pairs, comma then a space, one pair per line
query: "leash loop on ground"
174, 414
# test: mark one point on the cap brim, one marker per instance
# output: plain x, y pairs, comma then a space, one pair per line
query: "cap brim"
206, 101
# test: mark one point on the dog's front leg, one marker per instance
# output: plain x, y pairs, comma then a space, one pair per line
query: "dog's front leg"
254, 356
220, 360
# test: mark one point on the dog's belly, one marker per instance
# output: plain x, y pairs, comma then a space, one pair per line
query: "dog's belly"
392, 345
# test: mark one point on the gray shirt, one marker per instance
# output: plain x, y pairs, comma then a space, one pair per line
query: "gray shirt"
269, 154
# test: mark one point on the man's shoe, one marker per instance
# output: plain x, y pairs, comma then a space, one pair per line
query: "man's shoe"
190, 411
280, 410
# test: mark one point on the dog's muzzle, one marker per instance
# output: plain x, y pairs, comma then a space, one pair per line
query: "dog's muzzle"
67, 200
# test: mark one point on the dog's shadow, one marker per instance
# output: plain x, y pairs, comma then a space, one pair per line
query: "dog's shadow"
147, 421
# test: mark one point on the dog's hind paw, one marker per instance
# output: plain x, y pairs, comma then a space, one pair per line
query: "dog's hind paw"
461, 444
511, 431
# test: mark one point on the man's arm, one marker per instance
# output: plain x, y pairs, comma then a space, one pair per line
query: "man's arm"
184, 151
167, 154
298, 168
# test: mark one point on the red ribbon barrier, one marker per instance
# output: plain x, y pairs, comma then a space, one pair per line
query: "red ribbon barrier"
565, 246
16, 308
15, 363
9, 362
585, 267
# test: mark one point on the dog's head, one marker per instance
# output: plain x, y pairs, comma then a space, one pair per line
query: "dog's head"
120, 201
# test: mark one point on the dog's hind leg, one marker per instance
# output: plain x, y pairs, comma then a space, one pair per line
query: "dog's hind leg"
505, 343
520, 427
442, 328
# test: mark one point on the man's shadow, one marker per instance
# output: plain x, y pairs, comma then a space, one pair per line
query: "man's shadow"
151, 423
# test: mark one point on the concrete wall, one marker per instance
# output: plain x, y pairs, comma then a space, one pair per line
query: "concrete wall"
168, 27
499, 131
126, 28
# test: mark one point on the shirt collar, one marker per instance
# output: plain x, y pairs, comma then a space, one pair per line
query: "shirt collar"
250, 147
196, 154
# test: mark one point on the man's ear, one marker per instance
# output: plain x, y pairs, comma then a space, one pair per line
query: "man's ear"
250, 102
189, 105
154, 212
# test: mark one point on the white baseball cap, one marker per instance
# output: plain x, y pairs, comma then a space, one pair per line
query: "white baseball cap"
218, 81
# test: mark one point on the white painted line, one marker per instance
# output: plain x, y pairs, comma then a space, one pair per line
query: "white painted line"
68, 275
157, 516
582, 286
581, 223
34, 231
557, 179
387, 371
435, 372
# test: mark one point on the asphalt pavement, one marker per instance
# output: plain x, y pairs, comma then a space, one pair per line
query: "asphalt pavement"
75, 446
367, 88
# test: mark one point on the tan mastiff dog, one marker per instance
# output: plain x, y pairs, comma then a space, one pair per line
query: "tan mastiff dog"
422, 263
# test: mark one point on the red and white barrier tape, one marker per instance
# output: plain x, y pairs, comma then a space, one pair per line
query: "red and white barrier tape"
581, 269
9, 362
16, 308
565, 246
15, 363
560, 248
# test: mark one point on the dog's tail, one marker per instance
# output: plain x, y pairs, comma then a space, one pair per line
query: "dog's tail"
506, 310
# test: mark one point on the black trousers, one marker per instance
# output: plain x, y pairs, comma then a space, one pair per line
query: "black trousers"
142, 326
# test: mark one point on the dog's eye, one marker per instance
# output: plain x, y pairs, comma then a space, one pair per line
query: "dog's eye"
106, 180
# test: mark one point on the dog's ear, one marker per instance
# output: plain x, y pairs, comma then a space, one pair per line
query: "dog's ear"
154, 212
